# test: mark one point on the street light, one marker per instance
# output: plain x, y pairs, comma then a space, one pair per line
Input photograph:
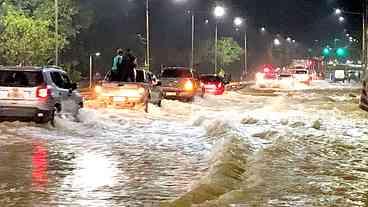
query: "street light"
341, 19
276, 42
219, 12
97, 54
263, 29
148, 36
238, 21
57, 32
338, 11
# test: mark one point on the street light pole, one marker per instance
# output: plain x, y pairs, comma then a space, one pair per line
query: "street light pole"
56, 32
193, 31
91, 68
216, 40
90, 71
245, 52
148, 35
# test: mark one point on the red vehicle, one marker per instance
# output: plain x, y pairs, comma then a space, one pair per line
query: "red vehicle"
213, 84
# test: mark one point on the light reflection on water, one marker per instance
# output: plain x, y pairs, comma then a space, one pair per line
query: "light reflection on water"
261, 149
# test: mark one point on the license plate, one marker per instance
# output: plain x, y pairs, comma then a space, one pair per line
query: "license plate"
171, 94
120, 99
16, 93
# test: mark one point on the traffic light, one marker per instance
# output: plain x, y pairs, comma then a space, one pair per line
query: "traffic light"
342, 52
326, 52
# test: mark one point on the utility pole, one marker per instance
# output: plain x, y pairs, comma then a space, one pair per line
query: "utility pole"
148, 35
245, 54
193, 31
57, 32
364, 36
216, 40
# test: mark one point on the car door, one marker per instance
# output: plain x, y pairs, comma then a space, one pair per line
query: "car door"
155, 91
62, 92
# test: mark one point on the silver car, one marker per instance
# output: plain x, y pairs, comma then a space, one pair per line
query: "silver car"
36, 94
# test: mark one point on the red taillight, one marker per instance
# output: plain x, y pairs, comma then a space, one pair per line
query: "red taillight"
219, 85
42, 92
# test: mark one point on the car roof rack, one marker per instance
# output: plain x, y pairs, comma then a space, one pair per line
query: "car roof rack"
53, 66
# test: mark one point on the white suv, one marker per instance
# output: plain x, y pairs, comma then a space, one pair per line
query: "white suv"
35, 93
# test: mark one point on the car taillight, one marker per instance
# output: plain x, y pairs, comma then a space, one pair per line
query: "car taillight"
219, 85
42, 92
188, 85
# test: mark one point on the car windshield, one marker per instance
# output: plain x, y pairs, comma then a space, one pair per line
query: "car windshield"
14, 78
176, 73
210, 78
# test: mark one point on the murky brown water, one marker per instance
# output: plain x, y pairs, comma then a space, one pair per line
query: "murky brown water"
295, 149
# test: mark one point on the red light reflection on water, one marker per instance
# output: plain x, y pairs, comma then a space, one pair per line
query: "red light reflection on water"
39, 166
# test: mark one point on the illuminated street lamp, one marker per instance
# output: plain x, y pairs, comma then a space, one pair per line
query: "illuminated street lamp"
219, 12
57, 32
238, 21
263, 29
341, 19
338, 11
97, 54
276, 42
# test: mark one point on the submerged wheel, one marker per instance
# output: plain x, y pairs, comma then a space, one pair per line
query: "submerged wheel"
159, 104
146, 107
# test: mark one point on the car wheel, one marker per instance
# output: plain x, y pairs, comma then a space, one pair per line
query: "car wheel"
191, 99
159, 103
146, 107
50, 117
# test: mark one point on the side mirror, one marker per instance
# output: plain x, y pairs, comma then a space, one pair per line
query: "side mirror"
73, 86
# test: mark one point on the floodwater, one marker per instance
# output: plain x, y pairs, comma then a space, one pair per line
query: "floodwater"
300, 148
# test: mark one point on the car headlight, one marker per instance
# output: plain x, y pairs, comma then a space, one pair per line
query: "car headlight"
188, 86
98, 89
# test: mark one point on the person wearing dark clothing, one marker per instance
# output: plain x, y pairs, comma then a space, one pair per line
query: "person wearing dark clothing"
117, 66
130, 63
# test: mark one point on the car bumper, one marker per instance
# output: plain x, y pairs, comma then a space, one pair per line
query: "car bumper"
122, 101
23, 113
214, 91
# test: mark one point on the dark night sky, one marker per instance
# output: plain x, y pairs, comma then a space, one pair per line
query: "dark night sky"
118, 21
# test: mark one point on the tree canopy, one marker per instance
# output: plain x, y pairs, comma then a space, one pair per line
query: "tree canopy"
27, 29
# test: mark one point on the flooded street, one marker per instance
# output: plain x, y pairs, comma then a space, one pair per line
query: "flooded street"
301, 148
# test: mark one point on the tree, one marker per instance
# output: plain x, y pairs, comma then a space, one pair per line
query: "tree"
25, 39
40, 15
228, 51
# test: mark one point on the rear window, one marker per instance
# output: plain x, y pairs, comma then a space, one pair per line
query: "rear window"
210, 79
20, 78
285, 75
173, 73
